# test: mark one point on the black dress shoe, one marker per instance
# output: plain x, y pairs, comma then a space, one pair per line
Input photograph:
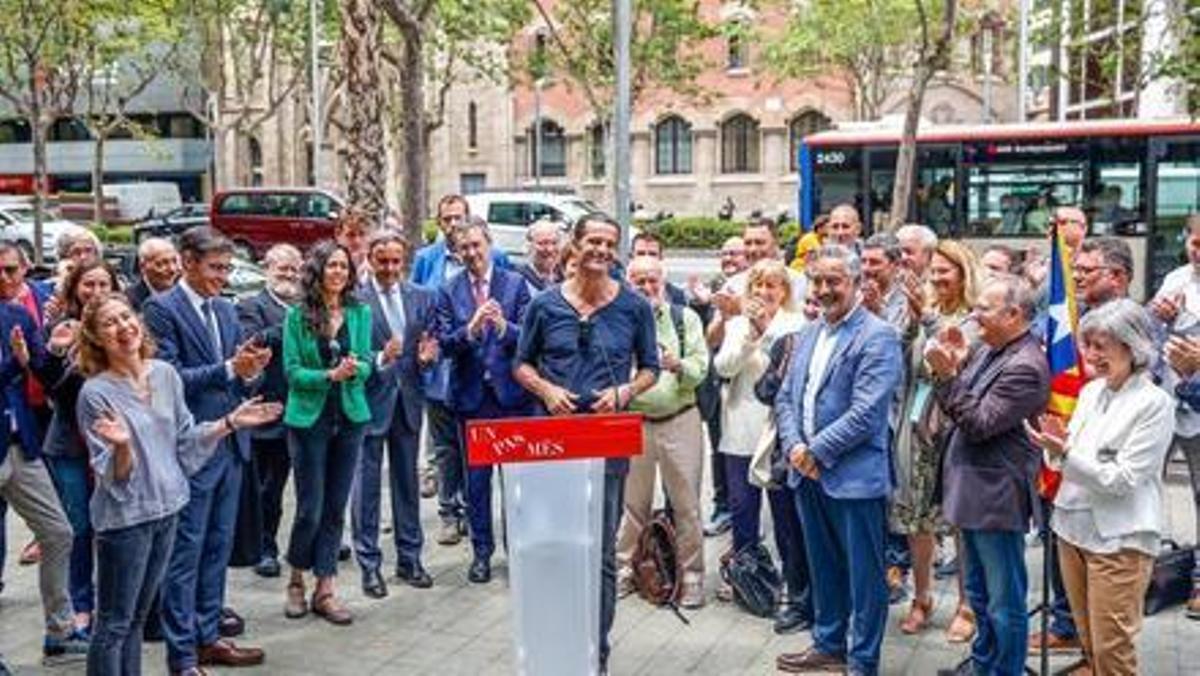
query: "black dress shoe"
344, 553
791, 619
480, 572
415, 576
373, 584
268, 567
231, 624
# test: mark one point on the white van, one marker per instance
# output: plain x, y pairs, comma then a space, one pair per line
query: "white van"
138, 201
508, 214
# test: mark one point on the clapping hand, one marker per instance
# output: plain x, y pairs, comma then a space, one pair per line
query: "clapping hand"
20, 348
250, 360
1052, 437
345, 370
913, 293
756, 312
946, 354
255, 412
1166, 308
111, 429
1183, 354
699, 290
872, 295
427, 349
62, 336
728, 303
392, 349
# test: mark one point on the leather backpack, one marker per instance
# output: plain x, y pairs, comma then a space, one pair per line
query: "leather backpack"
657, 570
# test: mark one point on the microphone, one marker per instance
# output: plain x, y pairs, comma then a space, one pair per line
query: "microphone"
335, 352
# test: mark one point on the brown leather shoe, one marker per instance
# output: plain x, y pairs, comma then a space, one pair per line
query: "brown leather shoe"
295, 604
1054, 643
810, 660
226, 653
330, 608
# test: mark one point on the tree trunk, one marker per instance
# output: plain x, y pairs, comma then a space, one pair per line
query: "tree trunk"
412, 99
906, 159
98, 178
366, 156
40, 178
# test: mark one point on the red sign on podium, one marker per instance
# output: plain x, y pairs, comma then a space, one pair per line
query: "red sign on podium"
492, 442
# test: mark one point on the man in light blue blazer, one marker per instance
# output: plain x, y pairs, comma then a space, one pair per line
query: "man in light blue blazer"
832, 414
402, 317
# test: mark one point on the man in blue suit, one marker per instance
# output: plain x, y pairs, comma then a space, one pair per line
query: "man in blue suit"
832, 414
402, 316
479, 325
198, 333
433, 266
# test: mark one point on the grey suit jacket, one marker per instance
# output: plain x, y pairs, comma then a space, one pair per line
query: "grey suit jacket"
990, 466
400, 386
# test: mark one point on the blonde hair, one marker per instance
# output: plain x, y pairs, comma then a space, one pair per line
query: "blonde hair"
772, 269
963, 258
92, 357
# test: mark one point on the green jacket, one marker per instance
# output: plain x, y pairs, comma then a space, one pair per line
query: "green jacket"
306, 371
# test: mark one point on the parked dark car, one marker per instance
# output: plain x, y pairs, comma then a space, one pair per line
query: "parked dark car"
172, 223
258, 218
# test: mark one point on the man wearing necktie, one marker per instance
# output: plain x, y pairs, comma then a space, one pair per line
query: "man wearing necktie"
197, 331
402, 316
478, 326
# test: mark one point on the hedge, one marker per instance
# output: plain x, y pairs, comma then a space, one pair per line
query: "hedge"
114, 234
706, 232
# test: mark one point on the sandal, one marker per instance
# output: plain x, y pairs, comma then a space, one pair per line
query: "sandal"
962, 628
327, 606
918, 616
296, 605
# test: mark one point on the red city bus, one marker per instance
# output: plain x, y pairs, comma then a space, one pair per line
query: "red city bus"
1135, 179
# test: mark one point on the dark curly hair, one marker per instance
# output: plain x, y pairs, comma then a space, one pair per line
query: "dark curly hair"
312, 277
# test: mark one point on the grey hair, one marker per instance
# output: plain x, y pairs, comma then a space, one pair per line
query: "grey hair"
387, 236
886, 242
279, 252
7, 245
1126, 322
70, 238
1018, 293
844, 254
927, 237
545, 222
151, 243
1114, 251
474, 222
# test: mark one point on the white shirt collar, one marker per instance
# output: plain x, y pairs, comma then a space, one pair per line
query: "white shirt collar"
487, 277
196, 299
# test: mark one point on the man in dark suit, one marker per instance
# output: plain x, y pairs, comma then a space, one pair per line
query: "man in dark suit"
832, 413
402, 316
262, 317
198, 333
988, 475
158, 263
479, 317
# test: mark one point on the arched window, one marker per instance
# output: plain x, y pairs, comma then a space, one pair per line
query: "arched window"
673, 146
807, 122
597, 144
740, 145
472, 126
548, 154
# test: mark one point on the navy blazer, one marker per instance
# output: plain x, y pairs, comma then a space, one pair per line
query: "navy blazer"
429, 264
15, 405
184, 342
852, 439
262, 316
490, 354
990, 467
403, 380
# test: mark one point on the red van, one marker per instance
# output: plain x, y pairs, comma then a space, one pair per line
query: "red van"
258, 218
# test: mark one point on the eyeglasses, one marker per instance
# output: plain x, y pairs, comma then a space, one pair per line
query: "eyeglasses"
1089, 270
585, 336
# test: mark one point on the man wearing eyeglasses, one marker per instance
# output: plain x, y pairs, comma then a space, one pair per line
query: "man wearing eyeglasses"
1103, 269
197, 331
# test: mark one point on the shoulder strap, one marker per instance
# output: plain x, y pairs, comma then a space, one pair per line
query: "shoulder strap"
677, 321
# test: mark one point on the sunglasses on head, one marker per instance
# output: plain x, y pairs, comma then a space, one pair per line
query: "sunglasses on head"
585, 335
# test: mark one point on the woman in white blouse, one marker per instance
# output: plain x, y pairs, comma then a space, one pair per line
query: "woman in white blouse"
768, 313
1108, 511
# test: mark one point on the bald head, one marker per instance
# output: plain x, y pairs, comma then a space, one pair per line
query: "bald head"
158, 262
645, 273
1072, 223
542, 245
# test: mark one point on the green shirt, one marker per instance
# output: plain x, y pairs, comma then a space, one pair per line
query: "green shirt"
675, 391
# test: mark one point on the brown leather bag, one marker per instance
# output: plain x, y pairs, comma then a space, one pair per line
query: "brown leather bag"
657, 570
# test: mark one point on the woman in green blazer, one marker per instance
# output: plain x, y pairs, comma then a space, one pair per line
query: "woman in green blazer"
327, 358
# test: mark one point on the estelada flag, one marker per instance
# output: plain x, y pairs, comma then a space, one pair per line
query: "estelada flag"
1066, 369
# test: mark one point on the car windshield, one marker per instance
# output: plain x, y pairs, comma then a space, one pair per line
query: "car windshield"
21, 214
574, 208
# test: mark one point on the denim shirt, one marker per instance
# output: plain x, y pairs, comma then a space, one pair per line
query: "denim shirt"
167, 447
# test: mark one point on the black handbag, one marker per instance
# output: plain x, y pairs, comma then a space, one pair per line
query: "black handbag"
755, 582
1171, 579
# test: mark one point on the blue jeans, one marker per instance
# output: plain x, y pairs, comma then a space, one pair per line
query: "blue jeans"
844, 541
789, 540
614, 506
324, 458
365, 498
70, 477
996, 584
448, 457
193, 590
745, 502
132, 561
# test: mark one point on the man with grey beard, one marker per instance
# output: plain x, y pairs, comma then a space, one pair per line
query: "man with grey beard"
262, 318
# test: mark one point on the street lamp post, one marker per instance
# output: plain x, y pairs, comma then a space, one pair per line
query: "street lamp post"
622, 18
315, 59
